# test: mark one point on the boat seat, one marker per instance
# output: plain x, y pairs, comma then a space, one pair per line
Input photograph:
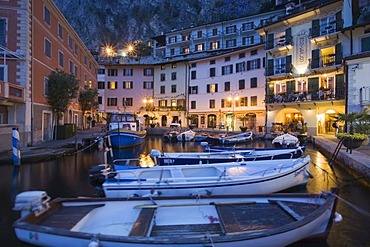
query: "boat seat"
143, 223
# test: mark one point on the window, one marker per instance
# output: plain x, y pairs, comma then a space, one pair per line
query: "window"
70, 67
46, 86
254, 52
172, 39
231, 29
163, 67
127, 102
212, 72
227, 59
193, 104
3, 73
227, 86
70, 42
193, 74
173, 76
75, 70
230, 43
148, 84
112, 101
174, 65
193, 65
101, 71
214, 31
199, 47
212, 103
148, 72
214, 45
100, 100
47, 15
128, 84
76, 49
112, 85
249, 40
112, 72
162, 103
241, 55
61, 59
241, 84
243, 101
186, 50
193, 90
172, 51
227, 70
3, 32
199, 34
365, 44
47, 48
163, 77
85, 59
173, 88
254, 64
60, 31
253, 100
247, 26
162, 90
101, 84
212, 61
212, 88
254, 82
240, 67
128, 72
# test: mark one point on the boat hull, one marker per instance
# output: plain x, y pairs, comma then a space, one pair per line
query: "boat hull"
257, 177
263, 222
125, 139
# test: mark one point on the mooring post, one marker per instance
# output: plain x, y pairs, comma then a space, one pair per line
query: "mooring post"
15, 147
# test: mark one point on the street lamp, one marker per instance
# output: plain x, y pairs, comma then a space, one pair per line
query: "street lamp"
233, 100
148, 103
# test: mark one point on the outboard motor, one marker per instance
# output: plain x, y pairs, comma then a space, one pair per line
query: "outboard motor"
31, 201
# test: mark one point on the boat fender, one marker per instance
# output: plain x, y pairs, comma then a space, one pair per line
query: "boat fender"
338, 217
204, 143
94, 243
155, 153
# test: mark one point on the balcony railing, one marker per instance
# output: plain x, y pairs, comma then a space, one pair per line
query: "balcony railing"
324, 61
316, 95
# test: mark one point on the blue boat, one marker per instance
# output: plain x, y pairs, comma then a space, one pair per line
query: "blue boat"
125, 130
226, 155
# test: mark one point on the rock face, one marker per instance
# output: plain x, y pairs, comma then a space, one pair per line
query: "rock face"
100, 22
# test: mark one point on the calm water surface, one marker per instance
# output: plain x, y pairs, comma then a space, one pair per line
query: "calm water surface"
68, 177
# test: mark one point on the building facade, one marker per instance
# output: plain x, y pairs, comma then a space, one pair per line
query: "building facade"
36, 40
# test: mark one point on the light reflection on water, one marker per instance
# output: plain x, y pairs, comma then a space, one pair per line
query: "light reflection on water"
68, 177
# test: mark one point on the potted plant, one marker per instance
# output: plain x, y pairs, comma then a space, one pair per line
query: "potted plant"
244, 119
355, 139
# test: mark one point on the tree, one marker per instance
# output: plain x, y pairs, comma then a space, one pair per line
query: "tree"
62, 88
348, 119
87, 99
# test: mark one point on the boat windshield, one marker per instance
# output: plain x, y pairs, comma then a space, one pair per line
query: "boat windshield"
122, 118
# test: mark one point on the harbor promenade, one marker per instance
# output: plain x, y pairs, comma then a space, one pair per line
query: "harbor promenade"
356, 162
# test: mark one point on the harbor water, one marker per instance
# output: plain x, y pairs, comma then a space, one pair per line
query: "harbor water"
68, 177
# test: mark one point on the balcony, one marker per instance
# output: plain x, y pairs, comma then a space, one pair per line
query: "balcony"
312, 96
279, 44
11, 93
325, 63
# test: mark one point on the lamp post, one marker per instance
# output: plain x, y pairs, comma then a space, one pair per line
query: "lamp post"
149, 107
233, 100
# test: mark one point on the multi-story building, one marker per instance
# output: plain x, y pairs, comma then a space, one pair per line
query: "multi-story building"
225, 87
170, 88
305, 78
222, 75
125, 85
36, 39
